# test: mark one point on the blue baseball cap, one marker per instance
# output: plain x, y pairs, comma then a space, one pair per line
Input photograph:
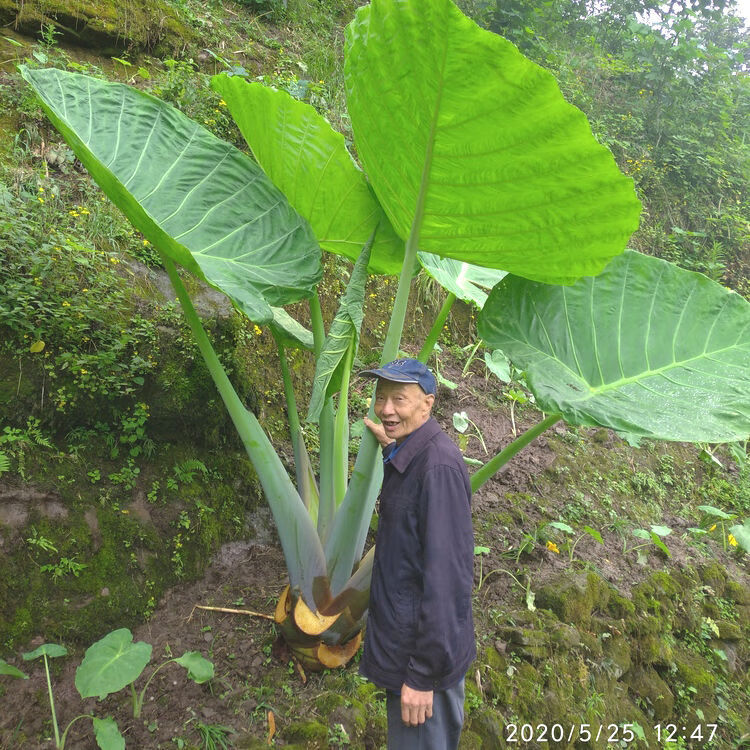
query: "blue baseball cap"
406, 370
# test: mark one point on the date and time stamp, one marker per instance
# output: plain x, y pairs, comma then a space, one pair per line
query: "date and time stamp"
623, 734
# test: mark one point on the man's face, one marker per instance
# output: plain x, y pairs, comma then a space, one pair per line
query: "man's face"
401, 407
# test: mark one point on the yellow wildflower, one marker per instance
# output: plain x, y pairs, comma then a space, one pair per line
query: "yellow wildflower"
66, 303
73, 212
40, 199
85, 211
732, 541
257, 330
713, 528
222, 103
146, 243
84, 372
552, 547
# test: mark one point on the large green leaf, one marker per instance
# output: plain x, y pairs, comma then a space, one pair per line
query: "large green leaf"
198, 199
645, 348
308, 160
472, 149
465, 281
111, 663
343, 337
290, 332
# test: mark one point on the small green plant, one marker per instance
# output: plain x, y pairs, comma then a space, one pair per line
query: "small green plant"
587, 531
133, 431
185, 471
114, 662
127, 476
461, 423
107, 734
338, 736
65, 566
515, 396
18, 441
212, 736
38, 541
654, 536
438, 376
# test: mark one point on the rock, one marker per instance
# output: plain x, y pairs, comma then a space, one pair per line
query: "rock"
645, 684
729, 631
565, 637
713, 575
109, 26
737, 592
693, 670
311, 734
654, 649
616, 655
573, 596
486, 725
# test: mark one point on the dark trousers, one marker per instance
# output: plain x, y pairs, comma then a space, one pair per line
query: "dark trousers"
440, 732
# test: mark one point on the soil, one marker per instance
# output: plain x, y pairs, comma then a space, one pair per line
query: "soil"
254, 674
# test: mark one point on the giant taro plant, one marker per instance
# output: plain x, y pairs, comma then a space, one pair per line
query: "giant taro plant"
475, 167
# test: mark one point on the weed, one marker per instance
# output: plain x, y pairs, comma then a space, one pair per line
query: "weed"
338, 736
212, 736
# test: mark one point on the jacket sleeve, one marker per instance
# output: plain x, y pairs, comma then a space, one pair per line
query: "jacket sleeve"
448, 573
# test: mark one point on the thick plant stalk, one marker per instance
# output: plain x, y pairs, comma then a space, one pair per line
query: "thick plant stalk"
437, 327
295, 430
299, 540
327, 506
306, 485
341, 433
479, 477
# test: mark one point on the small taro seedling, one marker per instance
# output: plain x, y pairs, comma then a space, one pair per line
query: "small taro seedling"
461, 423
107, 734
114, 662
654, 536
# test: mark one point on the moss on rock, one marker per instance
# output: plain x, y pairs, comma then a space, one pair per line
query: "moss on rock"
573, 596
693, 671
109, 26
312, 734
713, 575
645, 684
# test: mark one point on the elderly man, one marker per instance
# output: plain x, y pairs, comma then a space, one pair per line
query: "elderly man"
419, 640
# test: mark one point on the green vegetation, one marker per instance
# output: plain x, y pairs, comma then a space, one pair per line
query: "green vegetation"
107, 735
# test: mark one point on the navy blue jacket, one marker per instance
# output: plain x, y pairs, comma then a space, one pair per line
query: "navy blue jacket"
420, 629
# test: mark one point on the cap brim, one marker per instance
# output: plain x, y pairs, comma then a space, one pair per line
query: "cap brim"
379, 373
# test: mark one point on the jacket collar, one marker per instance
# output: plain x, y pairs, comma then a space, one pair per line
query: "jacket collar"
414, 444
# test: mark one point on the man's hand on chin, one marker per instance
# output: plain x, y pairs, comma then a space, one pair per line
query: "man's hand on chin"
416, 705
